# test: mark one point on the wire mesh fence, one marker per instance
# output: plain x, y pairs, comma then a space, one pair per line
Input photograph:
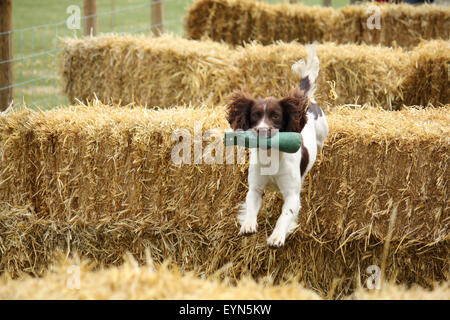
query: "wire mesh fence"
33, 77
35, 61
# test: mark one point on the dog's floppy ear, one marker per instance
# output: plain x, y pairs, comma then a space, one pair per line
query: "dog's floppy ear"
239, 110
294, 111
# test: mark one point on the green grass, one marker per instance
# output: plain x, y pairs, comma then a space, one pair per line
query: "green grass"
39, 24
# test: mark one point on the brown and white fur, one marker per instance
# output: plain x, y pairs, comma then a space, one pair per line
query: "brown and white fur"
297, 112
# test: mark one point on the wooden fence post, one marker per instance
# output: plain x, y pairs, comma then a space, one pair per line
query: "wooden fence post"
6, 54
157, 17
90, 14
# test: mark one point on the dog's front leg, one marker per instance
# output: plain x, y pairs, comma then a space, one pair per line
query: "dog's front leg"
249, 211
287, 222
253, 202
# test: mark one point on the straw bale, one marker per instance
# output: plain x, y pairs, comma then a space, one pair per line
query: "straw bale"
130, 281
252, 20
170, 71
430, 80
158, 71
99, 180
348, 74
240, 21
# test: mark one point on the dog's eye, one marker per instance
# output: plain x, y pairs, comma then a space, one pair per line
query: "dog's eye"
275, 116
255, 115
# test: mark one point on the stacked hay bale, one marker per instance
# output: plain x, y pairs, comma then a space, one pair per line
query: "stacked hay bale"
169, 71
156, 72
236, 22
239, 21
429, 81
348, 74
101, 181
130, 281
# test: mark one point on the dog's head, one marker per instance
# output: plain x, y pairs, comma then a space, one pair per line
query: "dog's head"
268, 115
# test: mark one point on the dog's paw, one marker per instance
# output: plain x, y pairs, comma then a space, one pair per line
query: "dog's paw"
276, 240
248, 228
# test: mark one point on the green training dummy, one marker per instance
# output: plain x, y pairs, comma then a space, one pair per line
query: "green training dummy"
288, 142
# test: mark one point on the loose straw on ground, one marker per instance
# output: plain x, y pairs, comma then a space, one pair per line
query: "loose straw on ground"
147, 282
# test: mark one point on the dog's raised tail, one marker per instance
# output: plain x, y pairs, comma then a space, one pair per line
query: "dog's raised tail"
308, 71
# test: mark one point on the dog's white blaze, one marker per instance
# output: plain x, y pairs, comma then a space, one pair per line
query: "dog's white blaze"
262, 123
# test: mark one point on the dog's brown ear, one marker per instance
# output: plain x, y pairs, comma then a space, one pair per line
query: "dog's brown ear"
239, 111
294, 111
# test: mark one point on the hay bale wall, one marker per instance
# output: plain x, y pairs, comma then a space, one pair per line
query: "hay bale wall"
100, 181
132, 282
239, 21
169, 71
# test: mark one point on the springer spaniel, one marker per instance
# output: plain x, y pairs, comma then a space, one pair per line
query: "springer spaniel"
297, 112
